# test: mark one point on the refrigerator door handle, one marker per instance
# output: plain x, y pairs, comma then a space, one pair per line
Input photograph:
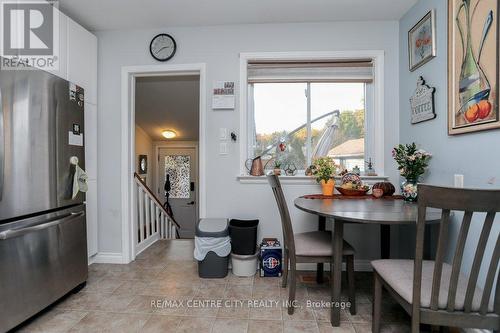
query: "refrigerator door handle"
11, 233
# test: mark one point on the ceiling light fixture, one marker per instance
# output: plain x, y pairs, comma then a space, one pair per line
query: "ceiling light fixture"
169, 134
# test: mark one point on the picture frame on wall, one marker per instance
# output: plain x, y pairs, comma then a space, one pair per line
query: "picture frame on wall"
422, 41
473, 66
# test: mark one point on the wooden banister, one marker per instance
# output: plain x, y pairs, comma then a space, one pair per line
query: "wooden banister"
155, 199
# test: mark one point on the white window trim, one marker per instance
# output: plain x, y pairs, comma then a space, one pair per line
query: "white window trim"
377, 123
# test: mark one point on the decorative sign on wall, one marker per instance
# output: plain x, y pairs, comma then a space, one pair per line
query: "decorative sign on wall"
422, 103
223, 95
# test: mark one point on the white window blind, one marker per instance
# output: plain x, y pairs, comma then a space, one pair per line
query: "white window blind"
360, 70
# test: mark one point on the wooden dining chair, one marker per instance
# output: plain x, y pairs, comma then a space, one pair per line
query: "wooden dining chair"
308, 247
435, 292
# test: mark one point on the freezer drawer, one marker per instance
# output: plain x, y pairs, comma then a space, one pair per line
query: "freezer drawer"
41, 260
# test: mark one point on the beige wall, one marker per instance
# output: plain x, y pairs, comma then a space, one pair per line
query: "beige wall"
144, 146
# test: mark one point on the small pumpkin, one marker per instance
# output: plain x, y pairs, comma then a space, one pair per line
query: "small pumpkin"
387, 187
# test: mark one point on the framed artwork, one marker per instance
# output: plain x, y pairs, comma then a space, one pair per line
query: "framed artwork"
422, 41
473, 65
143, 164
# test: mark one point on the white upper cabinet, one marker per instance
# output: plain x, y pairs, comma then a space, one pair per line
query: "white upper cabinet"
60, 50
82, 59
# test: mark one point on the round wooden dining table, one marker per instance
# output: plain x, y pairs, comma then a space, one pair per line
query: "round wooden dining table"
339, 210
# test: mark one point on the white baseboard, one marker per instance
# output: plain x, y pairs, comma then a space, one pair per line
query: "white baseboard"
359, 266
474, 330
147, 243
107, 258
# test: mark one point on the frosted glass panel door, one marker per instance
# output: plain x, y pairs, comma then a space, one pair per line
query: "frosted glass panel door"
180, 165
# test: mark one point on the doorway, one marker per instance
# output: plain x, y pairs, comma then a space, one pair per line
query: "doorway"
167, 117
178, 168
130, 163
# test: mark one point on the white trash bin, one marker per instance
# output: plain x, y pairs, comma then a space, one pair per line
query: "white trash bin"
244, 265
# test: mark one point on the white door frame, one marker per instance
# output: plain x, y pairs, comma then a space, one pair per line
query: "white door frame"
129, 75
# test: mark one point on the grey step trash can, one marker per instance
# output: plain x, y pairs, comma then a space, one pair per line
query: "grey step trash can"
212, 247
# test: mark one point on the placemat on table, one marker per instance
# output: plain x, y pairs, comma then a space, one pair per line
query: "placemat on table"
343, 197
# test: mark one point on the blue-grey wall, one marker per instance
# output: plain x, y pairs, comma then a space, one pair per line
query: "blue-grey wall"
476, 156
219, 48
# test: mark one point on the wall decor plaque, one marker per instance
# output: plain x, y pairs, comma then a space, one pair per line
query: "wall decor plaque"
422, 102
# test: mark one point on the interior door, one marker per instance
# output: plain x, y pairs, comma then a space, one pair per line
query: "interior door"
181, 167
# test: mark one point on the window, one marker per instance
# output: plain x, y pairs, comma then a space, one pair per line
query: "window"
298, 113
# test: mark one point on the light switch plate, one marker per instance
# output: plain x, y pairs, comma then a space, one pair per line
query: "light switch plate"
459, 181
223, 148
223, 134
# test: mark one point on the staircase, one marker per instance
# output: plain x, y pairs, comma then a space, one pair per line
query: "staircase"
152, 221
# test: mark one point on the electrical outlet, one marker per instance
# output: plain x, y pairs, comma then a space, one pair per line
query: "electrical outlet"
459, 181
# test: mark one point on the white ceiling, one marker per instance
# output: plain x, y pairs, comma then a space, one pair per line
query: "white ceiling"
140, 14
168, 102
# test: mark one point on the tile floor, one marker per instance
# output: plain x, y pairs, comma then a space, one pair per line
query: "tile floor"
118, 298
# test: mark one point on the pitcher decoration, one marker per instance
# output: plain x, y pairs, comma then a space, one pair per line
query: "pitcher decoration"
254, 166
473, 65
474, 85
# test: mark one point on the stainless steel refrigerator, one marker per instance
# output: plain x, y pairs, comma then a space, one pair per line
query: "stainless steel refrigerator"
43, 243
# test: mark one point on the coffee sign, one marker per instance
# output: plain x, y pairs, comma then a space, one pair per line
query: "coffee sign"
422, 103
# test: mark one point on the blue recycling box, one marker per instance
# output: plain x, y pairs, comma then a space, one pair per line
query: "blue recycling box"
270, 258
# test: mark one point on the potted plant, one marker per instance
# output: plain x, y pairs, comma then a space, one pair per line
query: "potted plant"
324, 169
277, 167
412, 163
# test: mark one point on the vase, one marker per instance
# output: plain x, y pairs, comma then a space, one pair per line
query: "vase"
409, 189
328, 187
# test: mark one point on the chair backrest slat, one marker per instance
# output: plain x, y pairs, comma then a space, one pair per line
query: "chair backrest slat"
286, 222
490, 277
469, 201
496, 307
440, 253
478, 259
457, 260
419, 254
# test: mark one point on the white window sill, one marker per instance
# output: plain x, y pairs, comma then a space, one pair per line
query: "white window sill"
303, 180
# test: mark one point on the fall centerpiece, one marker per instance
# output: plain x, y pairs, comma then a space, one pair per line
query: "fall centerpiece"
412, 163
324, 169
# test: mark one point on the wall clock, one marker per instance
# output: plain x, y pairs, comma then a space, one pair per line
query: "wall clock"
143, 164
162, 47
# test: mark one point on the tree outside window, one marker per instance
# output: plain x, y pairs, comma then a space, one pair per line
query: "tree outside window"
284, 114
